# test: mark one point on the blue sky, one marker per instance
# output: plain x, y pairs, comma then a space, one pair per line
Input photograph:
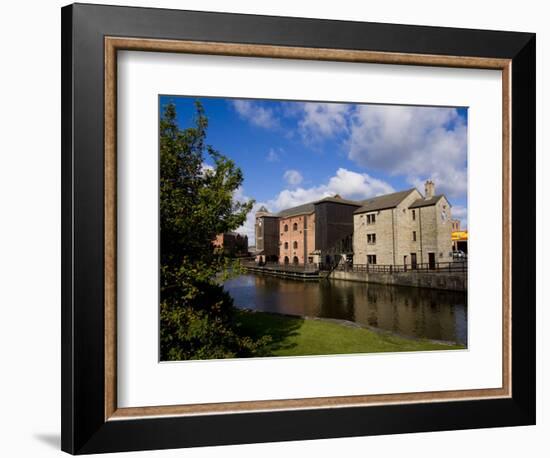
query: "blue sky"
295, 152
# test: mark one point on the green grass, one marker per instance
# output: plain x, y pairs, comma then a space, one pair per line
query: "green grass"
295, 336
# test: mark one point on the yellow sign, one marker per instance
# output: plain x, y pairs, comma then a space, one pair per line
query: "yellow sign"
459, 236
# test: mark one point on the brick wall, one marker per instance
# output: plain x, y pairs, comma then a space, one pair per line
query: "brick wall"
294, 243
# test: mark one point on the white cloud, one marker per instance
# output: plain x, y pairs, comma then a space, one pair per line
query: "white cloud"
358, 186
293, 177
248, 226
293, 197
206, 168
323, 120
348, 184
240, 196
415, 142
256, 114
272, 156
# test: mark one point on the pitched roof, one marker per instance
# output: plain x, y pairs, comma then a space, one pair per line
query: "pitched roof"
306, 209
426, 202
383, 202
339, 200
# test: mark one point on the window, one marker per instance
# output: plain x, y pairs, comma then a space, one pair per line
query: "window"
371, 239
295, 245
295, 227
310, 259
414, 236
371, 259
371, 219
414, 215
286, 245
286, 227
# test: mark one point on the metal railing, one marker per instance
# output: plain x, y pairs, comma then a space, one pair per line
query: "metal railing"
311, 267
456, 266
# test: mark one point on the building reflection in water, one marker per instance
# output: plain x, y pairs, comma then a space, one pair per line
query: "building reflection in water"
415, 312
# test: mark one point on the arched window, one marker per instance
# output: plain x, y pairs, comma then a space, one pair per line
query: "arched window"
295, 260
295, 227
295, 245
286, 245
286, 260
286, 227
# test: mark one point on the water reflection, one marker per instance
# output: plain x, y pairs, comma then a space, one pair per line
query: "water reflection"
416, 312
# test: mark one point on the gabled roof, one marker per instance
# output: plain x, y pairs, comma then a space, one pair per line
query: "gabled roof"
384, 202
426, 202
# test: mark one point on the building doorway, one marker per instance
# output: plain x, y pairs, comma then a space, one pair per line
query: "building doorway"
295, 260
405, 262
413, 260
431, 261
286, 260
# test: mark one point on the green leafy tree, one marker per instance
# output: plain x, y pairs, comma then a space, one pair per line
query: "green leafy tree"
196, 203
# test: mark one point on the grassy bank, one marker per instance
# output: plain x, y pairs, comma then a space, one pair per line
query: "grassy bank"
295, 336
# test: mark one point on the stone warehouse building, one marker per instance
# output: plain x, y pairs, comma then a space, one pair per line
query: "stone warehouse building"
307, 234
403, 228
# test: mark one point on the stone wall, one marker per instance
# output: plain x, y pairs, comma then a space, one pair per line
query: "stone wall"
405, 244
383, 248
444, 231
455, 281
402, 232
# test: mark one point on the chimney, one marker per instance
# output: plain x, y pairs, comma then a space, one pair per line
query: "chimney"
429, 188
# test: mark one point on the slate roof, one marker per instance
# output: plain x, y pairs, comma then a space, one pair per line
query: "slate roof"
384, 202
376, 203
306, 209
426, 202
339, 200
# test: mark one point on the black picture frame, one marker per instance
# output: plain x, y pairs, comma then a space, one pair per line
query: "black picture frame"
84, 428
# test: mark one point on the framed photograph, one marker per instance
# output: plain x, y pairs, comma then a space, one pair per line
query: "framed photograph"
281, 228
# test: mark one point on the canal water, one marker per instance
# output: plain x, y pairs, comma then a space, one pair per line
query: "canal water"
413, 312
